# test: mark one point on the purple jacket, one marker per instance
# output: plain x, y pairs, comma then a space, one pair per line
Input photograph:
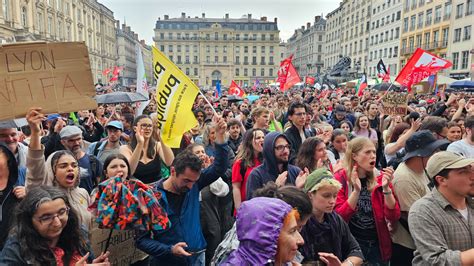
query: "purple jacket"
259, 222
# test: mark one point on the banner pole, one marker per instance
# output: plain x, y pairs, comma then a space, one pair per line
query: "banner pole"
205, 98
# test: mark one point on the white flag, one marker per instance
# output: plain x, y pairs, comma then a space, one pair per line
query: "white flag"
142, 86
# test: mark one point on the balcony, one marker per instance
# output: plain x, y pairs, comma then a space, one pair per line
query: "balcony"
428, 22
437, 20
447, 17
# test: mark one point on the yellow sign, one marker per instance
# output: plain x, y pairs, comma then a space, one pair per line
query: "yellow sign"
175, 94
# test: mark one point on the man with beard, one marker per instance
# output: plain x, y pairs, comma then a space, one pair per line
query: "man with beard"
90, 167
102, 149
465, 146
275, 166
184, 243
9, 137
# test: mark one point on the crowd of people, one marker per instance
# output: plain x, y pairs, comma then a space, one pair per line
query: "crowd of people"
302, 177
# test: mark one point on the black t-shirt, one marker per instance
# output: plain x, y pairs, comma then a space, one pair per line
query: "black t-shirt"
362, 223
374, 123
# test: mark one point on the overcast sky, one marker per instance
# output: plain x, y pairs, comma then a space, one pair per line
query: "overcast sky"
141, 15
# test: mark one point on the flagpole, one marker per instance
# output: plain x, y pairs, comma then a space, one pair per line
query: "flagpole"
205, 98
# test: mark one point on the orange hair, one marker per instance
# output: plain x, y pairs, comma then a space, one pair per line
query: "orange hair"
293, 214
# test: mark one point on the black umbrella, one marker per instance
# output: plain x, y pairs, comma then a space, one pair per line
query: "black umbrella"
234, 98
120, 97
385, 86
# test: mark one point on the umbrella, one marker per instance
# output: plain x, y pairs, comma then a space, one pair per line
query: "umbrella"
121, 97
462, 84
234, 98
128, 204
384, 86
20, 122
252, 98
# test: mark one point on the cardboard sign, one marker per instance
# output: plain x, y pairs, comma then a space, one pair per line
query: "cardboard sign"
54, 76
395, 103
122, 246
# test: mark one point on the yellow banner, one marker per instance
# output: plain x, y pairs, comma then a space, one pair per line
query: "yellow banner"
175, 94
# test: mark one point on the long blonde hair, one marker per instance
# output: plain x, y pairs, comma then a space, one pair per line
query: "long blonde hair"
355, 146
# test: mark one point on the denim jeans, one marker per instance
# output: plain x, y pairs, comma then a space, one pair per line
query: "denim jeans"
371, 251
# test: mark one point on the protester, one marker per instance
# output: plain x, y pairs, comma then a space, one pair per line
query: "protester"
441, 223
183, 243
102, 149
10, 193
61, 170
313, 155
275, 166
145, 151
47, 232
454, 131
235, 134
411, 184
297, 133
337, 149
327, 237
366, 201
362, 129
116, 165
280, 239
465, 147
249, 157
9, 138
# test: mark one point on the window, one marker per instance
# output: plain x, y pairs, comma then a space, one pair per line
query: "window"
50, 25
216, 49
271, 60
40, 21
263, 49
216, 59
412, 22
467, 33
162, 35
464, 59
208, 49
195, 59
246, 72
195, 71
170, 48
237, 72
457, 35
262, 60
170, 35
445, 36
427, 38
162, 48
447, 10
208, 59
436, 38
246, 60
263, 37
187, 48
397, 32
455, 61
438, 14
246, 49
405, 24
24, 17
254, 49
179, 60
187, 71
224, 37
418, 40
224, 59
186, 59
272, 37
262, 72
178, 36
469, 7
271, 49
254, 60
254, 72
270, 72
420, 20
179, 48
237, 37
216, 36
459, 10
429, 17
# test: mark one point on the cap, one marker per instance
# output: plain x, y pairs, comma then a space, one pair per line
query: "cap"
116, 124
423, 144
52, 117
340, 109
69, 131
315, 177
446, 160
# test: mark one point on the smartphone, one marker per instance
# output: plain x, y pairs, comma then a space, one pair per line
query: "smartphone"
195, 252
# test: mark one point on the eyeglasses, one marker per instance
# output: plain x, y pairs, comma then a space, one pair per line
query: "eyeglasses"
300, 114
48, 219
282, 147
146, 125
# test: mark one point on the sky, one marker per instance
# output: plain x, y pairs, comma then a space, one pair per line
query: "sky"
141, 15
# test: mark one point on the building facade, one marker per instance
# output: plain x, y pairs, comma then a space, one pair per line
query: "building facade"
62, 21
307, 47
355, 29
126, 41
384, 42
147, 61
461, 43
212, 49
333, 50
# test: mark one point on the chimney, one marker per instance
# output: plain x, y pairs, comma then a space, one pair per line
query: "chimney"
249, 16
123, 26
167, 17
317, 18
275, 20
227, 16
302, 28
296, 31
263, 18
183, 15
142, 42
308, 25
203, 15
136, 36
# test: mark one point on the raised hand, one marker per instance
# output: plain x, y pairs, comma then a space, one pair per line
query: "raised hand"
387, 177
139, 134
355, 179
415, 125
34, 117
301, 178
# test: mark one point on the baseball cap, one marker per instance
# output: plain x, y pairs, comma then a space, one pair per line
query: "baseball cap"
446, 160
52, 117
69, 131
423, 144
340, 109
116, 124
315, 177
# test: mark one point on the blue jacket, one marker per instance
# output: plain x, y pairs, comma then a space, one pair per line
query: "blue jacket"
268, 170
185, 226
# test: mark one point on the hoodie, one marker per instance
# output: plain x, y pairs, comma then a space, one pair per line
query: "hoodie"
268, 171
41, 173
259, 223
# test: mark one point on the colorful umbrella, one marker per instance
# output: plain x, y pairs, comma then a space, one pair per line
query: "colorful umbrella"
128, 204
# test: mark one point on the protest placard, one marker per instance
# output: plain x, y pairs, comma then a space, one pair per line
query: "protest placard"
395, 103
54, 76
121, 247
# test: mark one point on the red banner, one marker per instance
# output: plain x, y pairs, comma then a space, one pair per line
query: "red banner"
292, 78
283, 71
310, 81
421, 65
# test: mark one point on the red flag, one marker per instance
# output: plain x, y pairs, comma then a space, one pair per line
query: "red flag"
310, 81
234, 89
117, 70
421, 65
362, 85
106, 71
292, 77
283, 71
386, 77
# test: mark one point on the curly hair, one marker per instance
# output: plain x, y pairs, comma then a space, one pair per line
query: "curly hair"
34, 246
305, 157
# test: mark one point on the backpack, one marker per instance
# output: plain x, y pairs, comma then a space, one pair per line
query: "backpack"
93, 162
96, 148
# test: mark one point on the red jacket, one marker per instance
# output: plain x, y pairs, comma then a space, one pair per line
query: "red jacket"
382, 214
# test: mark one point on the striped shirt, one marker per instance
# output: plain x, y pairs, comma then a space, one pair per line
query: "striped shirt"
440, 232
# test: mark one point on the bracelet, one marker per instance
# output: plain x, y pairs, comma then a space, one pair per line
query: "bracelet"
387, 192
349, 262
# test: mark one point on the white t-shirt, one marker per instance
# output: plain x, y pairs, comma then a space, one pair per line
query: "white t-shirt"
462, 147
